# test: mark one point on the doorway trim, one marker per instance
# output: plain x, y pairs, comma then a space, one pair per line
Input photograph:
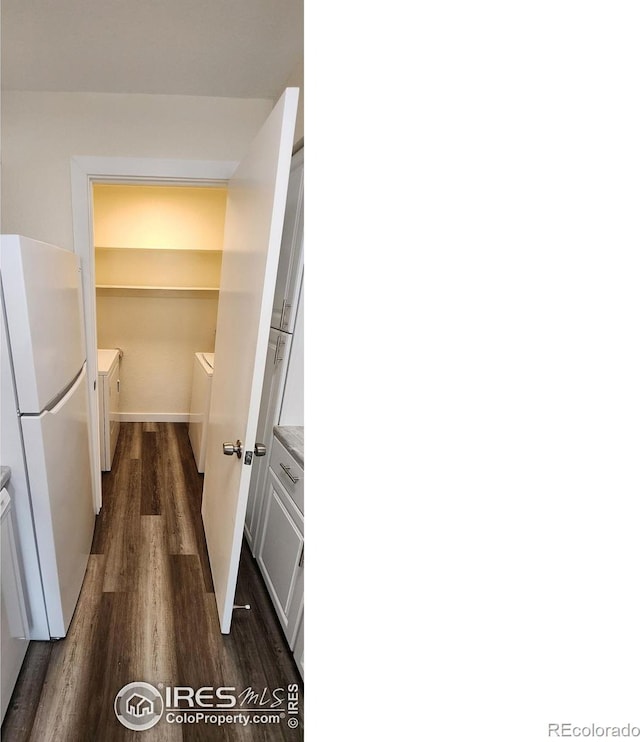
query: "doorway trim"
85, 171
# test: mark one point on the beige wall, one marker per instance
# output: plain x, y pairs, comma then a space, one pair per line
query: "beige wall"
159, 217
159, 337
41, 132
162, 236
180, 268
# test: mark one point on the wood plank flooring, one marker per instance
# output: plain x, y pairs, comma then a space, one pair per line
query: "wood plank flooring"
147, 612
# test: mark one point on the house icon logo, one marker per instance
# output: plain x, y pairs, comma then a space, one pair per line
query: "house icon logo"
138, 706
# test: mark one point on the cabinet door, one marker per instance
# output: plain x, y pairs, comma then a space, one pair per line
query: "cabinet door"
281, 555
285, 299
298, 648
15, 636
272, 388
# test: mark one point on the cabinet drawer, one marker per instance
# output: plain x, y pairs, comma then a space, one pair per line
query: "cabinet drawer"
288, 472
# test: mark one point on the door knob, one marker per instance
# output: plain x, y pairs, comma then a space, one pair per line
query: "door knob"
228, 449
260, 449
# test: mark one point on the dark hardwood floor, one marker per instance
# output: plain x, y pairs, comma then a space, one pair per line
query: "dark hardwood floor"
147, 613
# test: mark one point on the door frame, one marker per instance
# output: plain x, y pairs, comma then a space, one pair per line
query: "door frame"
85, 171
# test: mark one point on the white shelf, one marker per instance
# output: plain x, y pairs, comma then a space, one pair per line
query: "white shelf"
159, 249
158, 289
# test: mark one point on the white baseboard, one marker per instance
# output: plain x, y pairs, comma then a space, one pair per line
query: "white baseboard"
154, 417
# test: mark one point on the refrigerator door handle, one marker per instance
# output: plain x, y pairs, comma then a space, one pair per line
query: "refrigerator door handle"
280, 343
284, 322
54, 406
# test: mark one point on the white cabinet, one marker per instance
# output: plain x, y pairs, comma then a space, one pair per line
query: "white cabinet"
282, 390
290, 265
281, 546
292, 409
274, 521
109, 402
272, 389
15, 628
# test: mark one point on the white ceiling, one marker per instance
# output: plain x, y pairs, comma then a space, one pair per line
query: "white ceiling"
228, 48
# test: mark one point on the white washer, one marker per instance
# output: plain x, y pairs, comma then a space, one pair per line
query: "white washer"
109, 401
200, 403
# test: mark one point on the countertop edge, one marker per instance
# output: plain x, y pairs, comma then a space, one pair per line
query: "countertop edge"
292, 438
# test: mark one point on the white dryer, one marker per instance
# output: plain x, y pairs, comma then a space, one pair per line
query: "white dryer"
200, 404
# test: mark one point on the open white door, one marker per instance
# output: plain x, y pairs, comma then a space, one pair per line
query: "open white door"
253, 231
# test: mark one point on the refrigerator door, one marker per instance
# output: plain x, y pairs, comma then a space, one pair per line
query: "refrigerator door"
41, 285
18, 487
57, 454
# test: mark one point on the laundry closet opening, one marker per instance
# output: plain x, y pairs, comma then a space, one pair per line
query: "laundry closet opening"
158, 256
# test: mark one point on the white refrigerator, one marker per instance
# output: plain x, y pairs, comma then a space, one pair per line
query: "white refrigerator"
45, 426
